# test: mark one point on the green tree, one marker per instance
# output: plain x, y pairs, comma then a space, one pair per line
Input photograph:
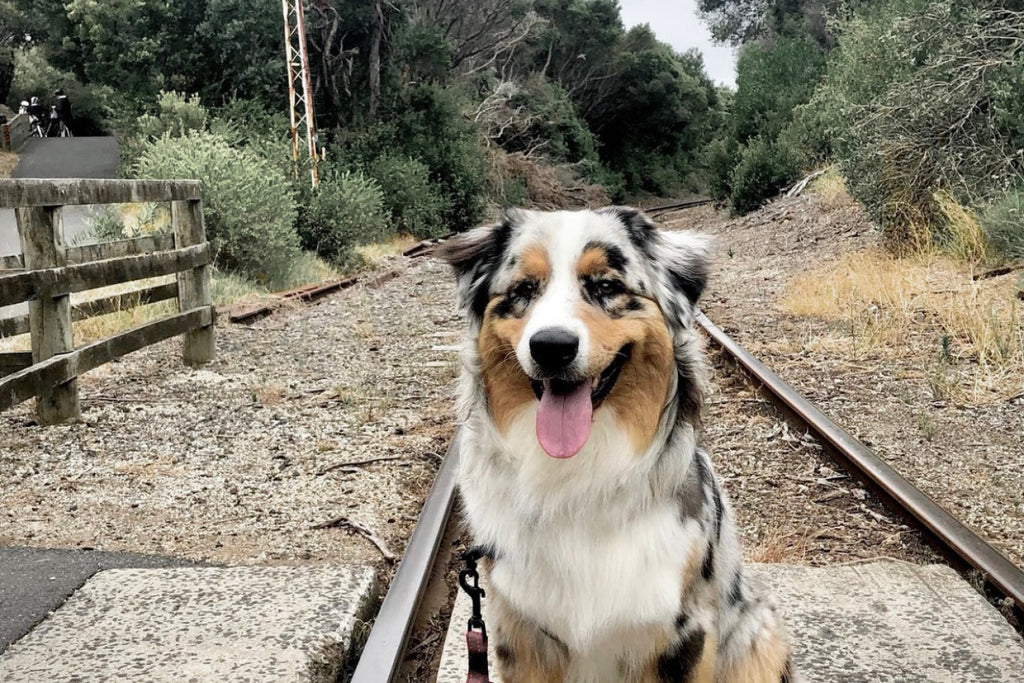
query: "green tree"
920, 100
12, 31
660, 117
119, 43
771, 82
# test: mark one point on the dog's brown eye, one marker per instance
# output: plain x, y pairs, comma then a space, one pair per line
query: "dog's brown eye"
524, 290
606, 289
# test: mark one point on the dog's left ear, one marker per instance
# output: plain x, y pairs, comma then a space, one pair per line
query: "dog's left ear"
473, 256
685, 257
678, 263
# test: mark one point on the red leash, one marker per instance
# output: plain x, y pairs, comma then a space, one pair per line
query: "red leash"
476, 633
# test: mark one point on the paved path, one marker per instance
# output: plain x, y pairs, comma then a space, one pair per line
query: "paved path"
254, 624
68, 158
34, 582
96, 157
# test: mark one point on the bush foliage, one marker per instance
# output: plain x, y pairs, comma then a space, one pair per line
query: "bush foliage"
1003, 223
345, 210
764, 168
248, 204
176, 114
414, 204
910, 91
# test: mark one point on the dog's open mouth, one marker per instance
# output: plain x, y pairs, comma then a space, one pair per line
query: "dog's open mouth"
567, 408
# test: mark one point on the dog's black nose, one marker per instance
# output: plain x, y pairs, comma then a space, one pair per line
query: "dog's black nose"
554, 348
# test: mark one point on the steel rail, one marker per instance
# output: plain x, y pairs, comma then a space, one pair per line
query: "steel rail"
679, 206
949, 531
384, 650
385, 646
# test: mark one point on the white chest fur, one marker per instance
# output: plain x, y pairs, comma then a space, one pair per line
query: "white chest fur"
584, 550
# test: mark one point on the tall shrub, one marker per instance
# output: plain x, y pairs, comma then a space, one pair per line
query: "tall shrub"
345, 210
248, 204
916, 108
176, 114
1003, 223
408, 195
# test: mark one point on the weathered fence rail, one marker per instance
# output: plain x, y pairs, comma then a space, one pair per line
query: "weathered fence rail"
48, 272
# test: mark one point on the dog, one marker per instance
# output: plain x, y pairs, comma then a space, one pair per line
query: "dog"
612, 550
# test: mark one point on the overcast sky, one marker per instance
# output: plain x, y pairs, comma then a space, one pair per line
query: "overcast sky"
676, 22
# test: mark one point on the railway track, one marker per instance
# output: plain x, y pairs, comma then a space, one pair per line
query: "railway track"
385, 647
656, 211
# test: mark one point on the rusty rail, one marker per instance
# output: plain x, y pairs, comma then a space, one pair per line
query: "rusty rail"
945, 529
385, 647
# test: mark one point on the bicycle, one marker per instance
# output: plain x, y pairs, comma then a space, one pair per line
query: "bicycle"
35, 127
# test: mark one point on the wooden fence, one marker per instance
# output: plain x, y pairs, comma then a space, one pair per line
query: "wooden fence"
48, 272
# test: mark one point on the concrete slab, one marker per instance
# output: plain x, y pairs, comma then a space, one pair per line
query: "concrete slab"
879, 622
200, 624
35, 581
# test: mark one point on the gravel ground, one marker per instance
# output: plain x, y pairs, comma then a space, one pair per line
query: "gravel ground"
242, 460
969, 458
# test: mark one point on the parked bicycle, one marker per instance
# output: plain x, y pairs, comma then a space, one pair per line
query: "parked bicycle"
36, 117
57, 127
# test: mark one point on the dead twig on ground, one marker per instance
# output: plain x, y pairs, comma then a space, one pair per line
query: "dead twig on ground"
996, 272
359, 463
346, 523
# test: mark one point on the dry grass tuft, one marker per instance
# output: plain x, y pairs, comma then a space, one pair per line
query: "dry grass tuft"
8, 160
962, 236
830, 188
373, 254
267, 393
968, 333
102, 326
779, 547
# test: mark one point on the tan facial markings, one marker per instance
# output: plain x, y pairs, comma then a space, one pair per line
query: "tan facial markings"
641, 391
505, 383
534, 264
593, 262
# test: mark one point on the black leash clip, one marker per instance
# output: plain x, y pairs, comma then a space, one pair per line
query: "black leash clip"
475, 592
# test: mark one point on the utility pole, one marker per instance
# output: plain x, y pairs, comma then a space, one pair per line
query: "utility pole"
300, 93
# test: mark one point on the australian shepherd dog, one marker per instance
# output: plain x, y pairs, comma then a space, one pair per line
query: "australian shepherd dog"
613, 553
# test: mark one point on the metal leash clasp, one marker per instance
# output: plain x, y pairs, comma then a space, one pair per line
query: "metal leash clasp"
476, 635
474, 591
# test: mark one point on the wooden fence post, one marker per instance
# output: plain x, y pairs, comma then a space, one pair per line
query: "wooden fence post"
193, 285
41, 232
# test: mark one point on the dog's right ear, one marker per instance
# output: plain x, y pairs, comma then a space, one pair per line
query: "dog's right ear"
474, 256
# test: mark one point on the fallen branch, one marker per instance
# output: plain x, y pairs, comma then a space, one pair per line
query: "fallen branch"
357, 463
996, 272
345, 522
797, 189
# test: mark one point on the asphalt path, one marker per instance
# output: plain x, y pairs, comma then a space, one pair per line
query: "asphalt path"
95, 157
34, 581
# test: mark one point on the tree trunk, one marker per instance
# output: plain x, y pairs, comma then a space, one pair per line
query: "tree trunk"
6, 72
376, 35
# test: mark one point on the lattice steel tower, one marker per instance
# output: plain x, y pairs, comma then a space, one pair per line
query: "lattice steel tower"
300, 90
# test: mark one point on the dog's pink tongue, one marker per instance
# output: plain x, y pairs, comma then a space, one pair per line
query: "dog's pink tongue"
563, 420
